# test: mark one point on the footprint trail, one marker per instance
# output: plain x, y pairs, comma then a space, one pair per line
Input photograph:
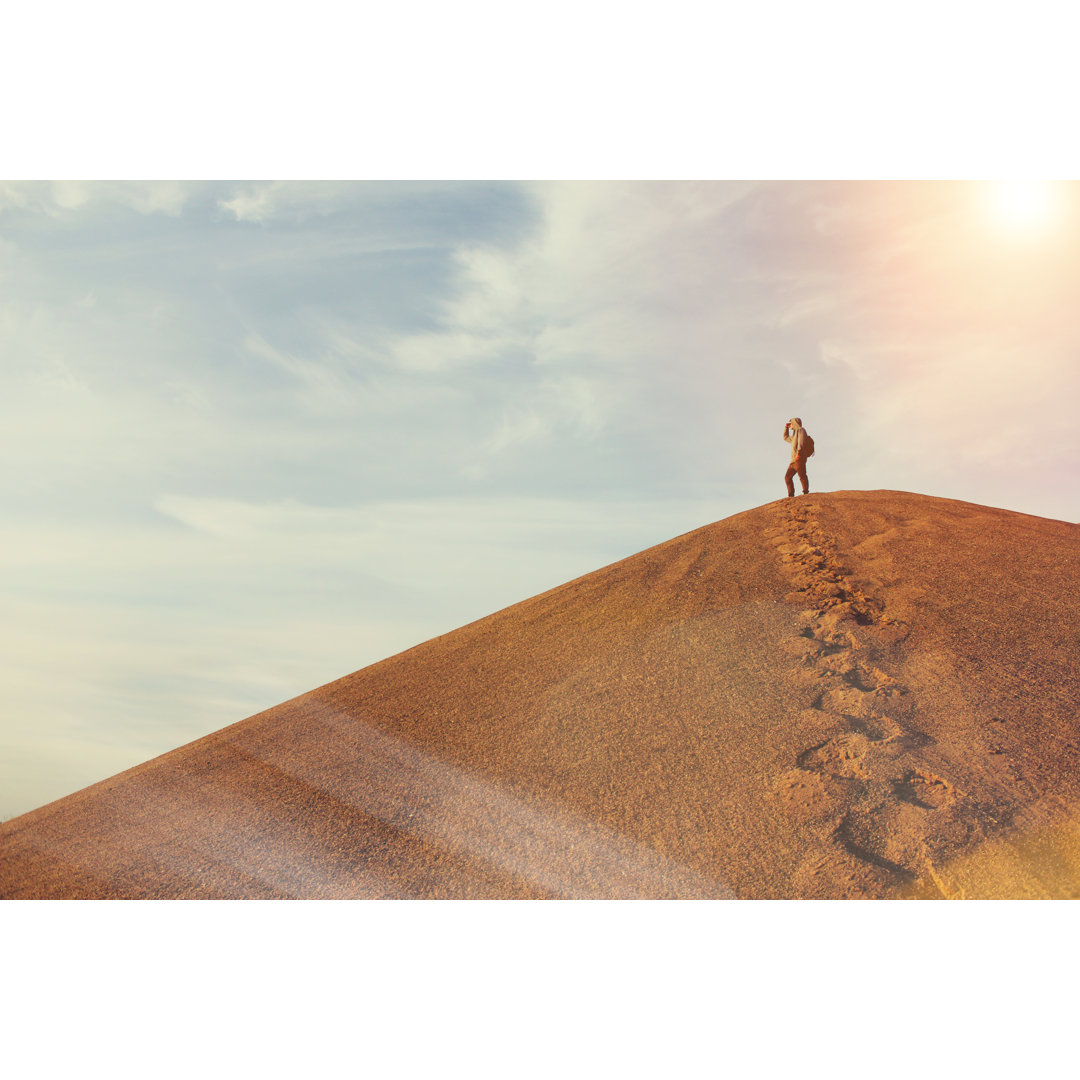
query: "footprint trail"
868, 784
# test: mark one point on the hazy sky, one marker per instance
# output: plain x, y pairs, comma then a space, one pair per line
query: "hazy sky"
257, 435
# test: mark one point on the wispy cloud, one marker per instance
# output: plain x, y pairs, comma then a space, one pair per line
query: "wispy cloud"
297, 201
55, 197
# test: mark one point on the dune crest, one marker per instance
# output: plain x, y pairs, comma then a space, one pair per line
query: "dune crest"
851, 694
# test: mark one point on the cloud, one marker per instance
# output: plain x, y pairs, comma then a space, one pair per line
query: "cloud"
53, 198
617, 335
295, 200
595, 321
326, 386
298, 202
412, 540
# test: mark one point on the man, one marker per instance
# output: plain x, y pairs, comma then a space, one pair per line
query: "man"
802, 446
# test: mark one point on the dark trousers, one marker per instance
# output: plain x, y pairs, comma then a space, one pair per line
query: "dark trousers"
797, 466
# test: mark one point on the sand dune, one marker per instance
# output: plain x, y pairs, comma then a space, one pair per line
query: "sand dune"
853, 694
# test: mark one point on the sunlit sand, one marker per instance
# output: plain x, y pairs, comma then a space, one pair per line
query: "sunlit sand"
851, 694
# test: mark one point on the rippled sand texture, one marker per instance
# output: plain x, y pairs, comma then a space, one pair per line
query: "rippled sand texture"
853, 694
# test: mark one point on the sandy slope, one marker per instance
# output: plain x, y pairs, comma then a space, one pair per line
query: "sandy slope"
855, 694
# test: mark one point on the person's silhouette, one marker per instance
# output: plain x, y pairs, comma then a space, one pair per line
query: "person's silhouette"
801, 448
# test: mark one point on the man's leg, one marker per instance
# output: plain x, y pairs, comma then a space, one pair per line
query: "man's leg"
802, 478
789, 478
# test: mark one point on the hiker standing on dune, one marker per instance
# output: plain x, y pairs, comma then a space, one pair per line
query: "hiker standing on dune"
802, 446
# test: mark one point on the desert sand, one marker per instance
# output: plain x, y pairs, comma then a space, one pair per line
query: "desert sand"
865, 694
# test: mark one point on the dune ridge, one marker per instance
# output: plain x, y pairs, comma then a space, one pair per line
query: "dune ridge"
850, 694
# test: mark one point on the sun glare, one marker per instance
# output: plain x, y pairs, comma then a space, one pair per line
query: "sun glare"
1023, 205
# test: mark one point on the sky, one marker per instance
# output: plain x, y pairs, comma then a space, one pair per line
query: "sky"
258, 435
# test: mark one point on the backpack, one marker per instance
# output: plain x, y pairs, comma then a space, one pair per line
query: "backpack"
807, 444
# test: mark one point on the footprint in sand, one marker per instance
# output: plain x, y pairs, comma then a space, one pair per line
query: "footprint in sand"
877, 729
925, 789
811, 797
838, 756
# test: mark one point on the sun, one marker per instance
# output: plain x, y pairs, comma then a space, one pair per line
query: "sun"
1023, 205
